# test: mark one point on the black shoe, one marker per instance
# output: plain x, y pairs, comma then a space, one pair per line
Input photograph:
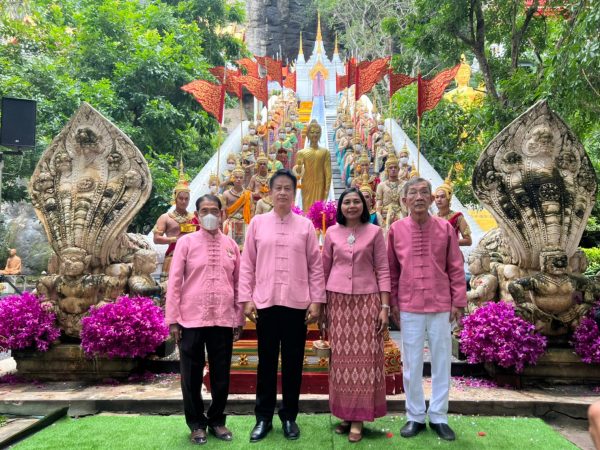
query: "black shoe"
412, 429
260, 430
443, 431
290, 429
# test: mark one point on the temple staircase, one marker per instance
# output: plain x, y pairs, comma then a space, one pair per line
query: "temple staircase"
336, 170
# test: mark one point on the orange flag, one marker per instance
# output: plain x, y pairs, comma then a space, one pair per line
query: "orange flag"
250, 66
211, 96
368, 75
341, 82
274, 68
351, 71
430, 91
256, 86
229, 79
398, 81
290, 81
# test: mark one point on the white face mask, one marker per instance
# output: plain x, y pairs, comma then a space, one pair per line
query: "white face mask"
281, 136
403, 160
210, 222
349, 132
245, 147
358, 147
288, 129
272, 155
380, 127
252, 131
213, 189
230, 166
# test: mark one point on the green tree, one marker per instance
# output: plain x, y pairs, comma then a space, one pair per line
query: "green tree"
128, 59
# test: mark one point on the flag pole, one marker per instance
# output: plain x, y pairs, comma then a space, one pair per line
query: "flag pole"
418, 124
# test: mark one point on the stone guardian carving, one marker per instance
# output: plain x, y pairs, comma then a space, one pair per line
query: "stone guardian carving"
86, 189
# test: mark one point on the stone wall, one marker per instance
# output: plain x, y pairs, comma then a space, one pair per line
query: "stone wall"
274, 23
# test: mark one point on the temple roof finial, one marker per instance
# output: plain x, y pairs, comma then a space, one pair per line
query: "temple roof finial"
300, 51
319, 36
335, 48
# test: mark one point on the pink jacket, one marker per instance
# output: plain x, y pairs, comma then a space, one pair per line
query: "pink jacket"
281, 263
426, 266
203, 282
360, 268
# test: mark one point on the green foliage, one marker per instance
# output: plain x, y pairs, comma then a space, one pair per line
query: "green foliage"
593, 256
126, 58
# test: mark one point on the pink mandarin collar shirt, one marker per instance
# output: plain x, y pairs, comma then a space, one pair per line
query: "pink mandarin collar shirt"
281, 263
357, 268
202, 289
426, 266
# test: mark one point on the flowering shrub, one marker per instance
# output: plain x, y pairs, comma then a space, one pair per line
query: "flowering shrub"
128, 328
493, 333
586, 338
24, 322
315, 214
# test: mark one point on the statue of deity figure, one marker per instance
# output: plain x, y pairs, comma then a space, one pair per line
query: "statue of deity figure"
313, 166
13, 264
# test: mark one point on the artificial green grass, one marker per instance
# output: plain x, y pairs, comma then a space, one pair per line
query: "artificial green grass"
170, 432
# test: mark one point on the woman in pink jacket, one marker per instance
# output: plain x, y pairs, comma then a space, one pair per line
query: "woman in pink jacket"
358, 289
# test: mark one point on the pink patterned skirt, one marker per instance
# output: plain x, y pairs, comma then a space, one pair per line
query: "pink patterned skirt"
356, 366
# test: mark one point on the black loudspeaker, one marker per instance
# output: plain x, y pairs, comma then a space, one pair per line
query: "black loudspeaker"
18, 122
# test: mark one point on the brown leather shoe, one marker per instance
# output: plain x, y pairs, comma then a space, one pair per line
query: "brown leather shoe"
342, 428
198, 436
221, 432
354, 437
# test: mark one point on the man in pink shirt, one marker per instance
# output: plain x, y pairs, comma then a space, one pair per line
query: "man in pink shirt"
428, 295
282, 287
201, 311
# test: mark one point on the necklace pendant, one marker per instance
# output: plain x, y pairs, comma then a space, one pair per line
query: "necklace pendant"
351, 239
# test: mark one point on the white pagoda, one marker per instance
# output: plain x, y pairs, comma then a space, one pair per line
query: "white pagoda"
316, 77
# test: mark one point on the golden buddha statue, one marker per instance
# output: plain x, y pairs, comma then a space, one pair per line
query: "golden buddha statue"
313, 165
464, 95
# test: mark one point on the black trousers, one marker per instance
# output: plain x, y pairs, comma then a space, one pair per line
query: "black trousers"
279, 326
219, 345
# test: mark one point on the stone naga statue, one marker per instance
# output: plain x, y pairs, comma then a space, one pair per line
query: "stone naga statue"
539, 184
86, 189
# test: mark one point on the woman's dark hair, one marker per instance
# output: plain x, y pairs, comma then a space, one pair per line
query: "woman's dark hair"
210, 198
283, 173
364, 217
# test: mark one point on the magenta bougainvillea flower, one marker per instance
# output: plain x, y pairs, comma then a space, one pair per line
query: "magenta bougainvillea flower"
493, 333
128, 328
586, 338
25, 322
315, 214
297, 210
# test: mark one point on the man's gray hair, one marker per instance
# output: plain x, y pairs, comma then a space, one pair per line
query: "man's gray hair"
417, 180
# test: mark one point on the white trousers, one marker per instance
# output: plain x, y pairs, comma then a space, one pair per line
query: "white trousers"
414, 328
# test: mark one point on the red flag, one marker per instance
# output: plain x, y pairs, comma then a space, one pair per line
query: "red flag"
430, 91
229, 79
250, 66
261, 60
211, 96
341, 82
368, 75
351, 71
256, 86
290, 81
274, 69
398, 81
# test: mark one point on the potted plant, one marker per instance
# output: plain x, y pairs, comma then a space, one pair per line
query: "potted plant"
26, 324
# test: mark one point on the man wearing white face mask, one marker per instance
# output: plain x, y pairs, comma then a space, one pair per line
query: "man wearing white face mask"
202, 310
